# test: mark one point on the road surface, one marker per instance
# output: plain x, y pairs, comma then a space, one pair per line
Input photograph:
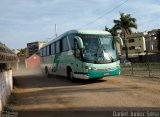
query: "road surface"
35, 92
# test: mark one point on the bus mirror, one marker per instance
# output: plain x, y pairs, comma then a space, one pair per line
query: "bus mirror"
79, 41
119, 39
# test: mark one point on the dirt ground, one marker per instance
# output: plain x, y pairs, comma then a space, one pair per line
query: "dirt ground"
35, 92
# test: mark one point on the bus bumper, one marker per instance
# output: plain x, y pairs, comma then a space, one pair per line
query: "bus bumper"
103, 73
95, 74
81, 76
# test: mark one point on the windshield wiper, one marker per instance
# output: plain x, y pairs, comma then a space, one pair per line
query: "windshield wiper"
109, 55
101, 48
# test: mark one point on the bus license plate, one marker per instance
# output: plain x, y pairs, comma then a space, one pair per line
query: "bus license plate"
106, 74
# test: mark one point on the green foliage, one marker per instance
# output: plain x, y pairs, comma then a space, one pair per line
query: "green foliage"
22, 52
3, 66
113, 31
158, 38
125, 24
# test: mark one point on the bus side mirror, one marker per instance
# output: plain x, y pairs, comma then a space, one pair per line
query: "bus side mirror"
79, 41
119, 39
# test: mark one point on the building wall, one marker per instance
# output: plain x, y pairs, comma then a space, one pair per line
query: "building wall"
41, 44
33, 61
33, 47
6, 86
136, 43
152, 36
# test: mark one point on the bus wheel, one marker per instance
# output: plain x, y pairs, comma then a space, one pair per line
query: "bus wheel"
46, 72
70, 75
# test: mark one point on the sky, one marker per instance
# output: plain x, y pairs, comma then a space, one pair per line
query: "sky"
25, 21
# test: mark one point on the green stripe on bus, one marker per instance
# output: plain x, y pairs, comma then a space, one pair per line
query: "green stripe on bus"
56, 62
99, 74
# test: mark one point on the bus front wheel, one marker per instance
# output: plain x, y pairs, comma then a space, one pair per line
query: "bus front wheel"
70, 75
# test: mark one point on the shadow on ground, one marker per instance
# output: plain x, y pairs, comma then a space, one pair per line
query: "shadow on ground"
33, 78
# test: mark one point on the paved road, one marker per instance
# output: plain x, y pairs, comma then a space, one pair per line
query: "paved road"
36, 92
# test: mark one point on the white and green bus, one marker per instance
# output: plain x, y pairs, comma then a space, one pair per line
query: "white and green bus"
84, 54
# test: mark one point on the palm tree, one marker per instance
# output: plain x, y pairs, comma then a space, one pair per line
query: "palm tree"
125, 24
113, 31
22, 52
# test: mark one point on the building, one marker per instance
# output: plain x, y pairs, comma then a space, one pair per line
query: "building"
7, 59
136, 43
16, 51
151, 41
33, 47
33, 61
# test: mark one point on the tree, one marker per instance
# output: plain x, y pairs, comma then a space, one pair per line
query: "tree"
22, 52
158, 38
113, 31
125, 24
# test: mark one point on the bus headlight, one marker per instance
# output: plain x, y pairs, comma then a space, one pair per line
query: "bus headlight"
90, 68
87, 67
93, 68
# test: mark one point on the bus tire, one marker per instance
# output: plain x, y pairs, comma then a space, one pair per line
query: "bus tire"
70, 74
46, 72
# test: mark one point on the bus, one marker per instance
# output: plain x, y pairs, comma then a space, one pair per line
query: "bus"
83, 54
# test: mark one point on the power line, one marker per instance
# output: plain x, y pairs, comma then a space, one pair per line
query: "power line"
105, 13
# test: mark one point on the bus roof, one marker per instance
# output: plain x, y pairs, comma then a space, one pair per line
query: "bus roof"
89, 32
82, 31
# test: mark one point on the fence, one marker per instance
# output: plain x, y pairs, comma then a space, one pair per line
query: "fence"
6, 86
141, 69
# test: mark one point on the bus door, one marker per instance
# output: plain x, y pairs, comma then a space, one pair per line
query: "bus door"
78, 58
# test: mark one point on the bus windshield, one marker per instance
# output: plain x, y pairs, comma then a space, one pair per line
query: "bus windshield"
99, 49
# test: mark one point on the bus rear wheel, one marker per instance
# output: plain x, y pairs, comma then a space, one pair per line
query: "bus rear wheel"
46, 72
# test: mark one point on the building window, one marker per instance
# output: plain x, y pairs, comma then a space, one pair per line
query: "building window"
132, 48
131, 40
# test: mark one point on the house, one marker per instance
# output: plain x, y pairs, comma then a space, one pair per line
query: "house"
136, 43
33, 61
33, 47
152, 41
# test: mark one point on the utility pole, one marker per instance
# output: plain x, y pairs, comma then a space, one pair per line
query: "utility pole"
56, 30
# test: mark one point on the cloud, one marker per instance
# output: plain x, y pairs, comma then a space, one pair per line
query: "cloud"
32, 20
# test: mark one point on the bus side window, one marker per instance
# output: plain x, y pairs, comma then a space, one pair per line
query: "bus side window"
60, 45
41, 54
57, 46
71, 40
48, 50
76, 49
65, 46
52, 48
44, 51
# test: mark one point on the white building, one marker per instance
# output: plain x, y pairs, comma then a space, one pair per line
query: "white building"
16, 51
136, 43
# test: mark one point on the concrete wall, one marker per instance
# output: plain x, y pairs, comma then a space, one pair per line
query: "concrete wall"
6, 86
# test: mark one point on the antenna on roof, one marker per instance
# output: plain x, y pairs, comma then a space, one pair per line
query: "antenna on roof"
56, 30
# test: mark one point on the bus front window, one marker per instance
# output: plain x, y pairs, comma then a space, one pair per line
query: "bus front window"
99, 49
